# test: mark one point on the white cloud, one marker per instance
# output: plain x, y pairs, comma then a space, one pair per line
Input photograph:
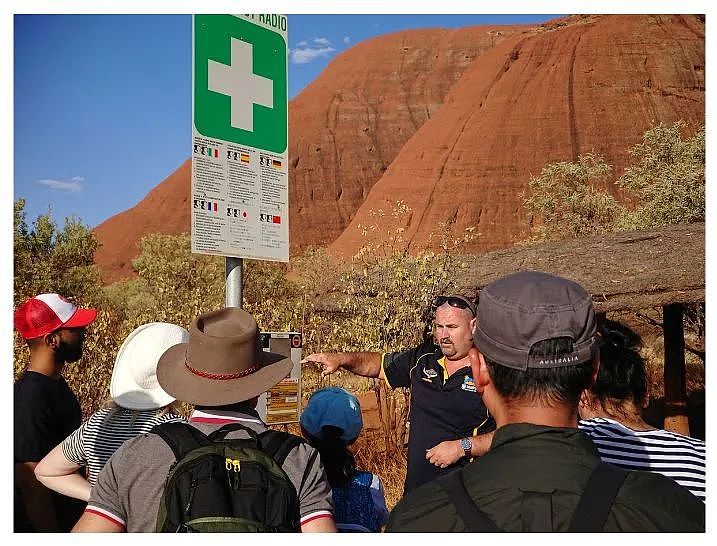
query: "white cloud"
302, 43
307, 54
73, 185
347, 39
322, 42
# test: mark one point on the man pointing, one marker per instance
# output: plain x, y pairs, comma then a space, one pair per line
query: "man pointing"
446, 415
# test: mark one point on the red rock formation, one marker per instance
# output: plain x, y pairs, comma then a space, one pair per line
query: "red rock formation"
349, 124
588, 83
458, 120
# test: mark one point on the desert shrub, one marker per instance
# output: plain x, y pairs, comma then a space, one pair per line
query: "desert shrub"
50, 258
666, 179
664, 185
175, 285
566, 202
384, 295
271, 297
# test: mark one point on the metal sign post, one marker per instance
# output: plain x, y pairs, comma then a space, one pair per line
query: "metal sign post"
234, 268
240, 171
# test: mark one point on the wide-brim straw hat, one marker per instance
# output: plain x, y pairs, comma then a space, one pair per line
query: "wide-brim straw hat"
134, 383
222, 362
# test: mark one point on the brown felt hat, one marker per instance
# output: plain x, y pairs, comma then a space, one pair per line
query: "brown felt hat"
222, 363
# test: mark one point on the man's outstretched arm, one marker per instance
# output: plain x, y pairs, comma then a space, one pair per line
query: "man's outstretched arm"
366, 364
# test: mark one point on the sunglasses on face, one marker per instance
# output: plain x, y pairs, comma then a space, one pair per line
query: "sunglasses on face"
456, 301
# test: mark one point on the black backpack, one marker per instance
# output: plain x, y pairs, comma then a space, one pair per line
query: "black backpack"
220, 485
590, 515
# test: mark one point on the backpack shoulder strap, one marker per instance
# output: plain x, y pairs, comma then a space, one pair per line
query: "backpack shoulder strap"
278, 444
597, 499
475, 520
220, 434
181, 437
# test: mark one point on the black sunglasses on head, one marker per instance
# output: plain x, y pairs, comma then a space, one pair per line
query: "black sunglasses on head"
456, 301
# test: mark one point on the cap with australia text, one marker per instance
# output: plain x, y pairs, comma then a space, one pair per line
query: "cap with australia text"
524, 308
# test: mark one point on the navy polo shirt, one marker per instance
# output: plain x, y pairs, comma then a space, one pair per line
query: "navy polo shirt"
442, 407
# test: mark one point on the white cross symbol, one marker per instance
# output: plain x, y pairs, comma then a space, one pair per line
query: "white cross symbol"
241, 84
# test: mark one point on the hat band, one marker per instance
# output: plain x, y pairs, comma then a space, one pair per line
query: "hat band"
221, 376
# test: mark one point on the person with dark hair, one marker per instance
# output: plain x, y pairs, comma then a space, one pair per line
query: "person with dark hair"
448, 421
611, 412
45, 408
536, 351
331, 421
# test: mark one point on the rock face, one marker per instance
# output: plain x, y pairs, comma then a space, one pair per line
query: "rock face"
583, 84
351, 122
454, 122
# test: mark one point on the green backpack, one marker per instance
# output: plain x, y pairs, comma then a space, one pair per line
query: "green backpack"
220, 485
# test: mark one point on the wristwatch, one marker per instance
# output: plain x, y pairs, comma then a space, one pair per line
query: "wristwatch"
466, 446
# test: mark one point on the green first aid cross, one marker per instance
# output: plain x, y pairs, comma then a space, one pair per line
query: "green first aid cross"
240, 91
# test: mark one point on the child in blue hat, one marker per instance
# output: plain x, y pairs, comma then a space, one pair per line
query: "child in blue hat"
330, 422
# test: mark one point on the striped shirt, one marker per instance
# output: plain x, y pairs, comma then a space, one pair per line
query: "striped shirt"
104, 432
676, 456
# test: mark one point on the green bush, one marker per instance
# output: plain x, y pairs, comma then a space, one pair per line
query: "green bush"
666, 179
567, 204
664, 185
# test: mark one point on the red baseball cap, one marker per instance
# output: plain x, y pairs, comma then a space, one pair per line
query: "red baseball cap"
47, 312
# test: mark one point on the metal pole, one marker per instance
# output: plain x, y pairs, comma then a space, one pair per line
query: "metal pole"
233, 268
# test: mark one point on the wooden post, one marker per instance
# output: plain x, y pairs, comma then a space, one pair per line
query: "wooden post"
676, 419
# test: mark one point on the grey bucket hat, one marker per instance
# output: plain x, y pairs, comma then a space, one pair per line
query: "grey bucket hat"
526, 307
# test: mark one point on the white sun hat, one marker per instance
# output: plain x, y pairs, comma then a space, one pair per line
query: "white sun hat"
134, 382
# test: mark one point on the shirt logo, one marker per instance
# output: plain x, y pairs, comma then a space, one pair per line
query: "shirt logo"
430, 374
468, 384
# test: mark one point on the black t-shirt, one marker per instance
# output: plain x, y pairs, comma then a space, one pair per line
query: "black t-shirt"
46, 412
442, 408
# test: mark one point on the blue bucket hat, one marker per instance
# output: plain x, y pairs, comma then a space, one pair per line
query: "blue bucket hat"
336, 407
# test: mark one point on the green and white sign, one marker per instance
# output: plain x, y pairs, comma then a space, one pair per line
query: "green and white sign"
240, 137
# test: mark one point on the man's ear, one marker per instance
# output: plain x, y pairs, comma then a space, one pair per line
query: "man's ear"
481, 377
473, 325
52, 340
584, 399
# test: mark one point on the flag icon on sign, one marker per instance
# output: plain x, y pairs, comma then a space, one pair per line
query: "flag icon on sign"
276, 164
244, 158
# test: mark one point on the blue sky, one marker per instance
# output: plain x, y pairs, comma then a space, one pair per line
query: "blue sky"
102, 103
